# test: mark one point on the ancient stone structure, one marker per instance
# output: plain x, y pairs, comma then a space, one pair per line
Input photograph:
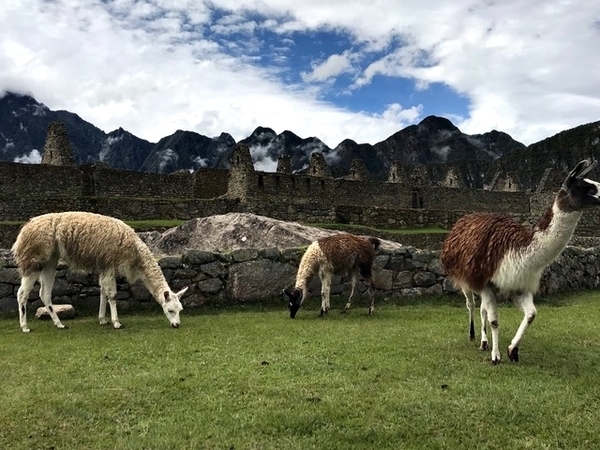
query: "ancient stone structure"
57, 149
358, 171
318, 166
254, 275
284, 164
408, 199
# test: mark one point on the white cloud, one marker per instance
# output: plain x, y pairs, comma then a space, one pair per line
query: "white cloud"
166, 157
155, 66
33, 157
330, 68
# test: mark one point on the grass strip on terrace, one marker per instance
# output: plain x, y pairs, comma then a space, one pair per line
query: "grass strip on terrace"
407, 377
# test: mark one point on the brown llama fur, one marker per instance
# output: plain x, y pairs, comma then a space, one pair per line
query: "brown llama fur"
485, 252
338, 254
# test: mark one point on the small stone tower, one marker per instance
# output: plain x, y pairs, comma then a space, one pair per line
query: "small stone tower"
318, 166
507, 182
242, 173
453, 179
284, 164
419, 177
57, 149
358, 171
396, 174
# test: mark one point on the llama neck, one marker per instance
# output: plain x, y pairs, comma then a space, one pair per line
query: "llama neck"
154, 280
309, 265
303, 277
551, 238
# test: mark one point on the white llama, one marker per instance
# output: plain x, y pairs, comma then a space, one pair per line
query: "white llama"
93, 243
485, 250
338, 254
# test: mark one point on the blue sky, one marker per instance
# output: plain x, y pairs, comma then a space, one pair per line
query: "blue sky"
337, 69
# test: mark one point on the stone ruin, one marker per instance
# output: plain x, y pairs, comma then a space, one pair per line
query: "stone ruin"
57, 149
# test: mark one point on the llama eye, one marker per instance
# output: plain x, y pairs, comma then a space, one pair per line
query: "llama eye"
170, 311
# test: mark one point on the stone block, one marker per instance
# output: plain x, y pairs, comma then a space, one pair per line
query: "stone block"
62, 311
10, 275
210, 286
197, 257
424, 279
404, 279
383, 279
244, 254
259, 280
170, 262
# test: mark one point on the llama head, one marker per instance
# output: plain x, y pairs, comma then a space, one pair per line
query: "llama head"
294, 300
172, 306
581, 192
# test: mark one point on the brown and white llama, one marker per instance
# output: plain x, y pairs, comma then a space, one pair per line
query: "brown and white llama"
488, 250
94, 243
338, 254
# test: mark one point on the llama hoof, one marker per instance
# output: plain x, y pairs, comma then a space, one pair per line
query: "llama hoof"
103, 322
371, 311
344, 311
60, 326
26, 330
483, 346
118, 326
495, 361
471, 336
513, 354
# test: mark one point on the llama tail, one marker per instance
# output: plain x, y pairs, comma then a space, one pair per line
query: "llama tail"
374, 242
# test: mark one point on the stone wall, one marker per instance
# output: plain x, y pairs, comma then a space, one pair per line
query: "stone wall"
39, 180
108, 182
475, 200
28, 190
256, 275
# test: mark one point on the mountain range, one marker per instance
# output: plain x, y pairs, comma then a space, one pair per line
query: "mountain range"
435, 142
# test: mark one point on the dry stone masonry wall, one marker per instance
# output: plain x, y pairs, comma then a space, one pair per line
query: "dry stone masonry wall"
249, 276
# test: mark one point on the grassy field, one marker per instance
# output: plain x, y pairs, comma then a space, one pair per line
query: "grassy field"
406, 378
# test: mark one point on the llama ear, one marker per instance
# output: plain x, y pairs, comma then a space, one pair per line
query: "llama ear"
583, 168
590, 166
181, 292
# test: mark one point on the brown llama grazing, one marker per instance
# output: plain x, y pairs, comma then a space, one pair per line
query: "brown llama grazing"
93, 243
338, 254
487, 250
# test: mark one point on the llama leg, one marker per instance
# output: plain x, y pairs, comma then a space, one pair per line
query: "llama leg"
483, 316
325, 291
102, 310
108, 288
525, 303
489, 300
471, 307
371, 290
46, 284
353, 280
22, 296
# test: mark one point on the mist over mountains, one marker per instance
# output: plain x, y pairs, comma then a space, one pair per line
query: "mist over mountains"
434, 142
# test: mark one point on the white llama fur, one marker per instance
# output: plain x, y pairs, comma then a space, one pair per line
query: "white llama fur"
94, 243
485, 250
339, 254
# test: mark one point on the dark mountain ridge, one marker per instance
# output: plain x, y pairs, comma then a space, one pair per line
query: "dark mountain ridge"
434, 142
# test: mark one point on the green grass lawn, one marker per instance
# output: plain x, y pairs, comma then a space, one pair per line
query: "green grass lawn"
405, 378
